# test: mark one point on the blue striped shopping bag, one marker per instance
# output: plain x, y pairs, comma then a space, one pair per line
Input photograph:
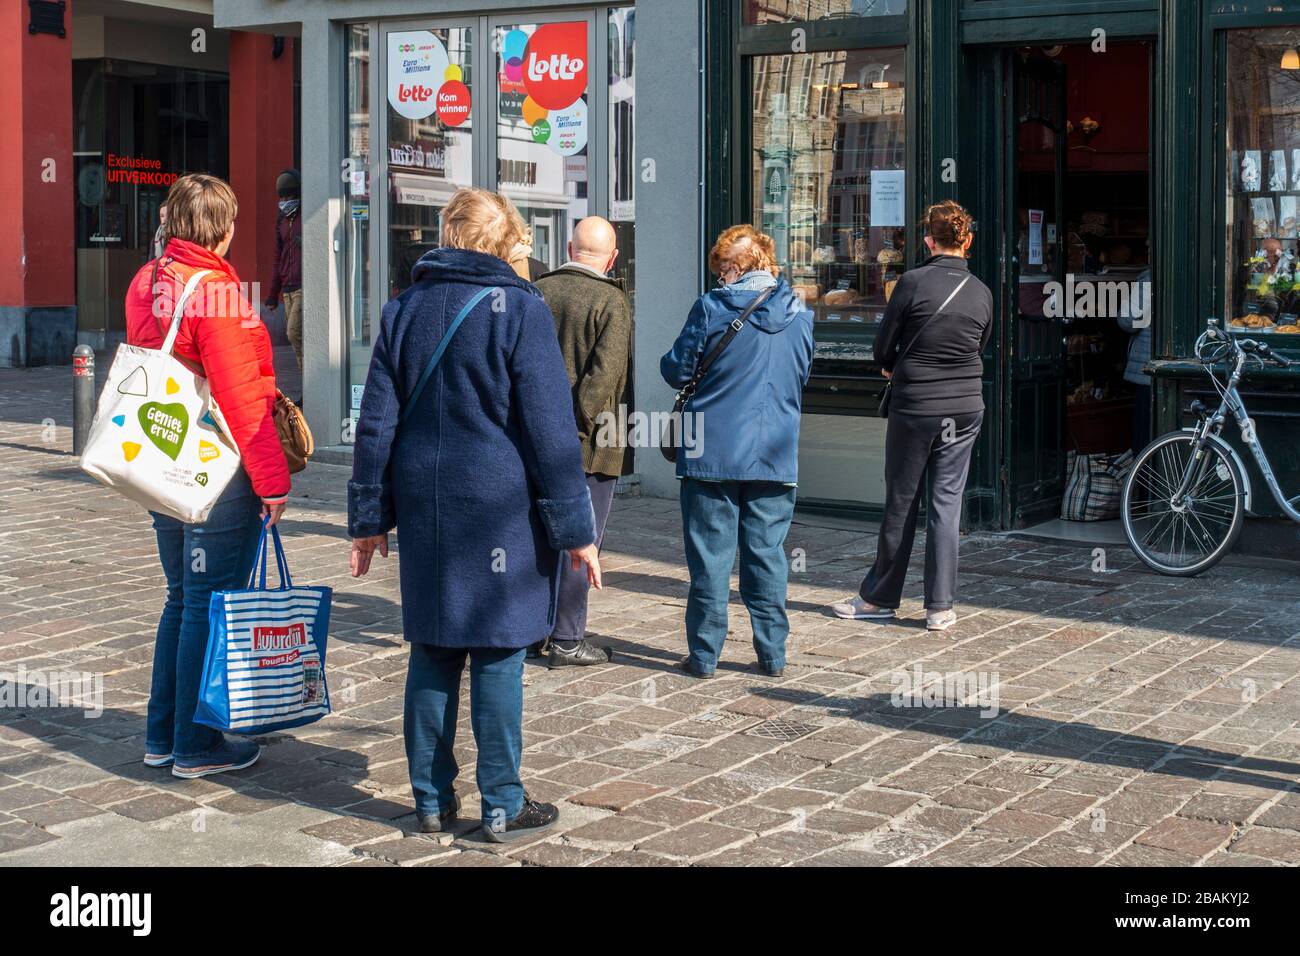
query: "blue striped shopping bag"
264, 669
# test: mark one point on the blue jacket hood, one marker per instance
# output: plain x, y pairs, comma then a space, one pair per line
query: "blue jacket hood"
781, 308
466, 265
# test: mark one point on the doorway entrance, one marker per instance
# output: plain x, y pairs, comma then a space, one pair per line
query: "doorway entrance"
1072, 222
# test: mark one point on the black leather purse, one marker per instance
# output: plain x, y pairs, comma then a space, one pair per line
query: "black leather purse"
883, 410
671, 438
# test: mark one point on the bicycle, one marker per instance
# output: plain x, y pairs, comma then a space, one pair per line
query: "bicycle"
1187, 493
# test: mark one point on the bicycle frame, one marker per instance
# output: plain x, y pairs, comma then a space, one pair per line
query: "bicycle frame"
1212, 425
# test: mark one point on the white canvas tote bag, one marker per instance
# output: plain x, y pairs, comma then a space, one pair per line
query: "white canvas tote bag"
158, 438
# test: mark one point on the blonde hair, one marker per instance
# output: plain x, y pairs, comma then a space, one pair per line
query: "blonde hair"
483, 221
200, 209
745, 248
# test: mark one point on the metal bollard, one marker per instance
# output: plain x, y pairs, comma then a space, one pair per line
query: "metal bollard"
83, 396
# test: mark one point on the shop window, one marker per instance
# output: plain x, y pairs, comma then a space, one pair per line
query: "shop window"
430, 139
622, 141
785, 11
1263, 181
357, 226
542, 100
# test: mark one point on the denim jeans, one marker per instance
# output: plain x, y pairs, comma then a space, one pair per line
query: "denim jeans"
718, 517
571, 609
197, 559
496, 695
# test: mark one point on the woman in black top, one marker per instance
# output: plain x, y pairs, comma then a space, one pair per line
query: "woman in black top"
936, 325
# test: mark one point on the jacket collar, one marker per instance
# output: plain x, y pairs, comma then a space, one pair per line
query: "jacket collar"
467, 265
948, 262
579, 269
194, 256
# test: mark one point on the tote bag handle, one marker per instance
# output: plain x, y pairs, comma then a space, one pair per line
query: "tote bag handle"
179, 312
257, 580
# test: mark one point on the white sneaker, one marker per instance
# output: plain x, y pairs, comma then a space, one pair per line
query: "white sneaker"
859, 610
940, 620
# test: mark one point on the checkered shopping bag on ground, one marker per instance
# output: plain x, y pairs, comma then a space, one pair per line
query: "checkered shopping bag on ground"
1093, 485
265, 665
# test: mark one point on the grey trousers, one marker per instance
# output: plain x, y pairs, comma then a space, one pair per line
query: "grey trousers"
921, 450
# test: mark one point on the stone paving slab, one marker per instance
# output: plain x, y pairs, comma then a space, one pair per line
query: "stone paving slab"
1139, 720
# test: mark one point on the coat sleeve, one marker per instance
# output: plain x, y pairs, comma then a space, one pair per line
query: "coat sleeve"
891, 326
228, 350
542, 400
370, 491
679, 363
607, 365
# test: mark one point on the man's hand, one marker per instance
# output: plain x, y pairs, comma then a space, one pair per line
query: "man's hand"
272, 513
363, 549
270, 304
591, 558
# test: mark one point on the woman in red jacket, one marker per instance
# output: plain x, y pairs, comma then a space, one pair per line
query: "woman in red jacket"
222, 339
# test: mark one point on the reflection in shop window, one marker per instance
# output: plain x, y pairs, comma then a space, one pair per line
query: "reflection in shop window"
1263, 181
357, 225
622, 144
785, 11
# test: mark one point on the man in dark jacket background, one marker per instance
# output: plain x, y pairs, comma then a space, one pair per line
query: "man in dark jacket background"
593, 320
287, 279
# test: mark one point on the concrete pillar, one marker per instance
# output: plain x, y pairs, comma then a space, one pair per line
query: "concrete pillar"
38, 274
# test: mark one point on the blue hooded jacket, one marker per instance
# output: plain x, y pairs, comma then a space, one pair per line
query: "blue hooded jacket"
743, 422
484, 480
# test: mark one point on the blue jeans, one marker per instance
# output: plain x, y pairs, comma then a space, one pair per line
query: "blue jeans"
197, 559
718, 516
496, 696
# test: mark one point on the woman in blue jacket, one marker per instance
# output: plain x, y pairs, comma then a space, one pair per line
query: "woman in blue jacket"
739, 460
481, 474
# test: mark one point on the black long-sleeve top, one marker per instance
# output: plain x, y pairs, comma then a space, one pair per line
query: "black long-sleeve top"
939, 373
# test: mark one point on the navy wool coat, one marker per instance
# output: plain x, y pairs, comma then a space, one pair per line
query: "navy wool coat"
484, 480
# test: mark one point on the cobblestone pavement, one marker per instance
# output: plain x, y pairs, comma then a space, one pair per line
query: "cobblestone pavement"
1141, 720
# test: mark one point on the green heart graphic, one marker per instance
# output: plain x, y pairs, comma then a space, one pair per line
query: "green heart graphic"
165, 426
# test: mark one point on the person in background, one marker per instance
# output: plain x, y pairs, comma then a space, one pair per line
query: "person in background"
482, 478
160, 234
286, 282
1139, 353
939, 320
233, 352
593, 320
522, 260
738, 482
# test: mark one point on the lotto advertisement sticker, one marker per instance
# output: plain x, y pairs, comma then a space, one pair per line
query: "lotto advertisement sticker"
549, 67
422, 80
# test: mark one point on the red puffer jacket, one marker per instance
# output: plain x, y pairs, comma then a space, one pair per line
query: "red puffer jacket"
223, 339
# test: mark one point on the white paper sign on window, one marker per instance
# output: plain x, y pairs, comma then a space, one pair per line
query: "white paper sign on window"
1035, 237
887, 197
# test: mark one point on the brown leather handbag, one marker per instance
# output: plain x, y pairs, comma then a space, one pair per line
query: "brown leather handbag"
295, 436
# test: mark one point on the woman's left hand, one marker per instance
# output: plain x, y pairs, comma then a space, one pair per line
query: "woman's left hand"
363, 549
885, 372
591, 558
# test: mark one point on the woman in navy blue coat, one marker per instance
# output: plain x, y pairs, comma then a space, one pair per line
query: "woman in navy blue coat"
739, 473
482, 477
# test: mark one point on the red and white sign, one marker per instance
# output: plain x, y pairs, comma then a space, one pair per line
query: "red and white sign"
555, 64
453, 103
279, 638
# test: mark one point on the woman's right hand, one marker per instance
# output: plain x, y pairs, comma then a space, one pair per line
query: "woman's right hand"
271, 513
589, 556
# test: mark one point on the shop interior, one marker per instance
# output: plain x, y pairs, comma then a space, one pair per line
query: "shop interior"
1083, 255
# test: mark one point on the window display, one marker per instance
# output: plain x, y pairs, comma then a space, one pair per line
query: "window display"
783, 11
1263, 182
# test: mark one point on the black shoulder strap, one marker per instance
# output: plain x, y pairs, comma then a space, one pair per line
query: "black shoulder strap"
733, 328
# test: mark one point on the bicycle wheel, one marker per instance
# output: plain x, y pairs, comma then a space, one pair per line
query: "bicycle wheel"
1186, 536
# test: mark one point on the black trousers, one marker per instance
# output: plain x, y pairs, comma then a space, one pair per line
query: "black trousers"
921, 450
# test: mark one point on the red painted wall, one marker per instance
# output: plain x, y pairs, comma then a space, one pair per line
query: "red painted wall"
261, 146
37, 242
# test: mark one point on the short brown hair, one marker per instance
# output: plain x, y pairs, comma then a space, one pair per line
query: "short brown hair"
483, 221
746, 248
948, 224
200, 209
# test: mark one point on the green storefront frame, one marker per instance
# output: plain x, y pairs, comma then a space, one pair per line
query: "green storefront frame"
948, 44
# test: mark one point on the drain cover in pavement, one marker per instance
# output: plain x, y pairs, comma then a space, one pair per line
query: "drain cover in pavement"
723, 717
777, 729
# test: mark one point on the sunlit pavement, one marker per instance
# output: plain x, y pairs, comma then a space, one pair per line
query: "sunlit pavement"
1113, 717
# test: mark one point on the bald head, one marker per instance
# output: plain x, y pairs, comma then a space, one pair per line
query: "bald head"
594, 243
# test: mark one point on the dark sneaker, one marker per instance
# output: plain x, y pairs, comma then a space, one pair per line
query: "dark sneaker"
538, 650
158, 760
231, 755
533, 818
438, 824
689, 668
582, 654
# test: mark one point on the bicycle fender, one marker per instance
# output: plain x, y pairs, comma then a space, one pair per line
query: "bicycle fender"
1241, 465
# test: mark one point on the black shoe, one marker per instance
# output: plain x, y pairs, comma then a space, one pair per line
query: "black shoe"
440, 823
770, 671
538, 650
582, 654
533, 818
689, 668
